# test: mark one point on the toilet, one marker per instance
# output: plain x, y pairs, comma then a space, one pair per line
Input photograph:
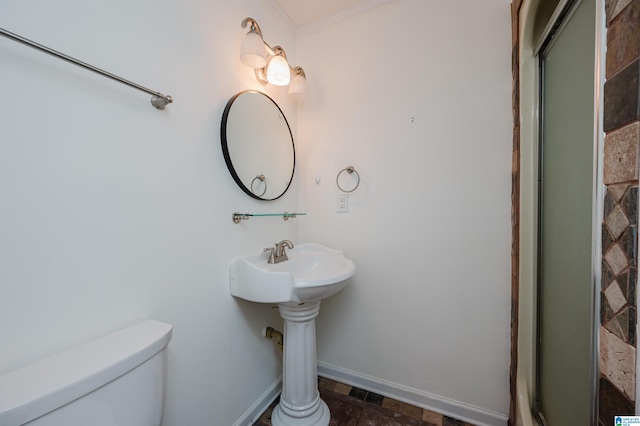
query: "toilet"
116, 380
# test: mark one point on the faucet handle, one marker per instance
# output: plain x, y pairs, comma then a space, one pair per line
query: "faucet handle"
271, 255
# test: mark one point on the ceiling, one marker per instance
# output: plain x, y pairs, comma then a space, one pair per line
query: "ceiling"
305, 12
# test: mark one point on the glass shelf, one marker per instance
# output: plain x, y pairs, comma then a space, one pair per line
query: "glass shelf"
237, 217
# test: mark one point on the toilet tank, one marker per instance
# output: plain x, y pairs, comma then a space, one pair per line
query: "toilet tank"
116, 380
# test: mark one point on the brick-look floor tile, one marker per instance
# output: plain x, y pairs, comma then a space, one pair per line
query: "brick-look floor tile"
327, 383
371, 418
432, 418
448, 421
342, 388
411, 410
342, 413
374, 398
391, 404
358, 393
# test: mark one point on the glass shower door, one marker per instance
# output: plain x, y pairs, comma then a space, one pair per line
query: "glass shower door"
565, 279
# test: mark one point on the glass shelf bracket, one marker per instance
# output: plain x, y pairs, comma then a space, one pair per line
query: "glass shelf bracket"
238, 217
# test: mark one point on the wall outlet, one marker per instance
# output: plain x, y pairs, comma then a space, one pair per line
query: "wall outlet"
343, 203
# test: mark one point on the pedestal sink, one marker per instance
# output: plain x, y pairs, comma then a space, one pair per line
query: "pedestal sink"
312, 273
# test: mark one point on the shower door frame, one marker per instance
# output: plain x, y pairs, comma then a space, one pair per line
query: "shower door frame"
556, 24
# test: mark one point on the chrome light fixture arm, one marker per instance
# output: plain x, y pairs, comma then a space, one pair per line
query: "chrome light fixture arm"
254, 26
298, 71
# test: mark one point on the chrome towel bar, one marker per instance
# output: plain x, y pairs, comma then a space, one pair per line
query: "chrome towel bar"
158, 100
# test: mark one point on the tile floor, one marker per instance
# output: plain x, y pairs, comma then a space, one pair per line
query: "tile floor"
351, 406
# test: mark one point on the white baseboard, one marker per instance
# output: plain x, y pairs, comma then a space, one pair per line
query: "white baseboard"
455, 409
254, 412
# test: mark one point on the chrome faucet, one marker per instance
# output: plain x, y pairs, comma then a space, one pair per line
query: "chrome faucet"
278, 253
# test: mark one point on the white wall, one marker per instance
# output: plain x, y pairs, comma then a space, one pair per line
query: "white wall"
112, 211
416, 95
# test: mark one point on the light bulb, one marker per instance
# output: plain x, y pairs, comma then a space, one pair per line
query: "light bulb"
278, 71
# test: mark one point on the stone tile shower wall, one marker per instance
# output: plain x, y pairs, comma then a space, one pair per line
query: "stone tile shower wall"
618, 307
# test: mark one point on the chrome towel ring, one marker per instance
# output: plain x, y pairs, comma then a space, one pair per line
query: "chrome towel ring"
263, 180
349, 170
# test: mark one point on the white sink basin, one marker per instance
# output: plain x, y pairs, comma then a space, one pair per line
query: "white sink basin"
313, 272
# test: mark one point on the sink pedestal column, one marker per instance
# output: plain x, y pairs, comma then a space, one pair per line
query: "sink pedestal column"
300, 403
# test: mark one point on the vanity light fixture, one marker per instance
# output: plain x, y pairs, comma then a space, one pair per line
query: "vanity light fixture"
270, 63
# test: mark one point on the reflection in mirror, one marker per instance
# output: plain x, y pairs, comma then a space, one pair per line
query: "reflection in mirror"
257, 145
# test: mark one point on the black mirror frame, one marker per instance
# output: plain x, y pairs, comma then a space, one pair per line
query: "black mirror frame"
227, 156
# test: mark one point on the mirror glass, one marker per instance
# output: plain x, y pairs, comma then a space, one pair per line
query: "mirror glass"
257, 145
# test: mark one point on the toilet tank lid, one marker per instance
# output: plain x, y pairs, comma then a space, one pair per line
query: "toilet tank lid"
36, 389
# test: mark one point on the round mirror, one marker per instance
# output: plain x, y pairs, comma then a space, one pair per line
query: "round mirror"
257, 145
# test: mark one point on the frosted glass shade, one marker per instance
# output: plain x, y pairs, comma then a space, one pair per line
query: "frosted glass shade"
253, 53
298, 86
278, 71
